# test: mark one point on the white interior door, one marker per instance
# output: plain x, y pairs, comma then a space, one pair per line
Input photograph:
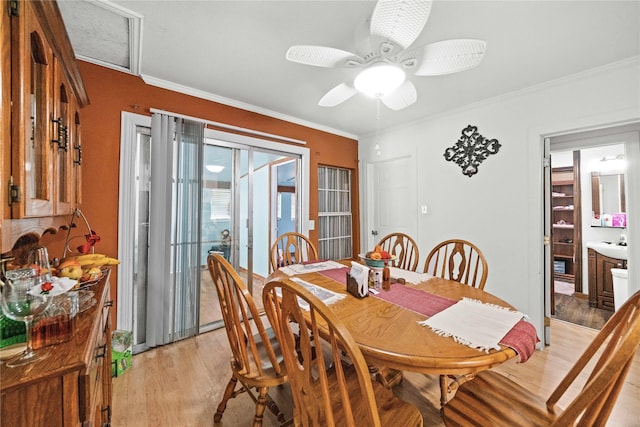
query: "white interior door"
391, 187
548, 265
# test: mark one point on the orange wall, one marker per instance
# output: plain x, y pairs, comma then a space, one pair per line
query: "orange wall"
111, 92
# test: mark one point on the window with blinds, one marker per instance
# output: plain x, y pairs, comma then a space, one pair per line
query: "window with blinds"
334, 213
220, 199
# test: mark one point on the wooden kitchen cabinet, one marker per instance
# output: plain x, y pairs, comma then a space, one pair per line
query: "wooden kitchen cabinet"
600, 280
40, 167
72, 386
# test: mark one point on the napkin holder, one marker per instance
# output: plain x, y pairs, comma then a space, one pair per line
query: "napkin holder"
356, 289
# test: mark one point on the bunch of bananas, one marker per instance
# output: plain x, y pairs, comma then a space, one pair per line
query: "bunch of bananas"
84, 267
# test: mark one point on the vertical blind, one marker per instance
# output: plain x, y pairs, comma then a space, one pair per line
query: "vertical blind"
174, 229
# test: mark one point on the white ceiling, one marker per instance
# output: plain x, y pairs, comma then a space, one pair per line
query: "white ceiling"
234, 51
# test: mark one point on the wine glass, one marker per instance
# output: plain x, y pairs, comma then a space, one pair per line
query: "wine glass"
39, 260
22, 299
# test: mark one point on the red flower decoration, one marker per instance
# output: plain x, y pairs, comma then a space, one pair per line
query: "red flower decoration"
46, 287
92, 239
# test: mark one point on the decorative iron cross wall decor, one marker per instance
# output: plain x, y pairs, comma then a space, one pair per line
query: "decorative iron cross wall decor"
471, 150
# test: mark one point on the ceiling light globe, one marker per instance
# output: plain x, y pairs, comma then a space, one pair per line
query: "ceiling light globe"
379, 80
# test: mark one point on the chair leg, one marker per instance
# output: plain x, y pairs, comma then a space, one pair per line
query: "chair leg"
261, 404
229, 392
273, 407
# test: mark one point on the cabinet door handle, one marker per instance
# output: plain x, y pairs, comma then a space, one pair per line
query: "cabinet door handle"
62, 133
101, 351
107, 409
78, 159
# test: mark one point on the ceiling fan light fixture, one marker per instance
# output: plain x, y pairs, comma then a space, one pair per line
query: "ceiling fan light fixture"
379, 80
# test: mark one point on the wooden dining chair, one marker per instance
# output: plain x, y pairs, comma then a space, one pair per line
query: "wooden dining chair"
256, 362
491, 399
404, 248
291, 248
458, 260
407, 256
329, 378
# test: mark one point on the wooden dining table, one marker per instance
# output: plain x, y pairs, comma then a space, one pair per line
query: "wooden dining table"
389, 334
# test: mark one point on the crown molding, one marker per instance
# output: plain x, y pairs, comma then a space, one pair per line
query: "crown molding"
631, 61
153, 81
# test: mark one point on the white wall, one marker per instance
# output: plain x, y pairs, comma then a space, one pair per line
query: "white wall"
500, 209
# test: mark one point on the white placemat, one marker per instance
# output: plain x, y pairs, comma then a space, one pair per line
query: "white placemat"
409, 276
292, 270
473, 323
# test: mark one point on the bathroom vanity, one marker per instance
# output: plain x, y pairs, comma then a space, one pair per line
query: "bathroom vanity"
602, 258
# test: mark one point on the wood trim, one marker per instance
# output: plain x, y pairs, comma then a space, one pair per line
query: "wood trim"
12, 229
286, 189
623, 198
577, 222
595, 193
5, 112
52, 24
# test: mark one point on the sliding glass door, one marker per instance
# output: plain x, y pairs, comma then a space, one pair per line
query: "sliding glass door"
241, 191
249, 189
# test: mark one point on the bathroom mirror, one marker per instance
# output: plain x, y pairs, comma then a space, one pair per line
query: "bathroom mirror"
608, 200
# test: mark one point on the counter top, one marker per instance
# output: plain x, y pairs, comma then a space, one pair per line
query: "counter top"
609, 249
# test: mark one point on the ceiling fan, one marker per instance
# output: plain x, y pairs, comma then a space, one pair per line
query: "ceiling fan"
394, 26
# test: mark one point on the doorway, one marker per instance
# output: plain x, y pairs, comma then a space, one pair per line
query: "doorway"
577, 301
244, 187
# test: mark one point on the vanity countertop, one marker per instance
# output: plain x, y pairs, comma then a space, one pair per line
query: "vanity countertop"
611, 250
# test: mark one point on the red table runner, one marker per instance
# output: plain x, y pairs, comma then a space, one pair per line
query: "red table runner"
522, 338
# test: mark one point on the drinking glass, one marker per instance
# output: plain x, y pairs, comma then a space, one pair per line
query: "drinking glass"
22, 300
39, 260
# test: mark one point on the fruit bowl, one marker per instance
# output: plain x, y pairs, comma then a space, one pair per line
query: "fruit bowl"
376, 263
82, 284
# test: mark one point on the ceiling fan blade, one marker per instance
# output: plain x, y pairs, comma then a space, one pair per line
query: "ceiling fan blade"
402, 97
337, 95
450, 56
399, 22
321, 56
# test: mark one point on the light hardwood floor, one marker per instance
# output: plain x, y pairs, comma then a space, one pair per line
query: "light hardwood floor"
181, 384
210, 312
